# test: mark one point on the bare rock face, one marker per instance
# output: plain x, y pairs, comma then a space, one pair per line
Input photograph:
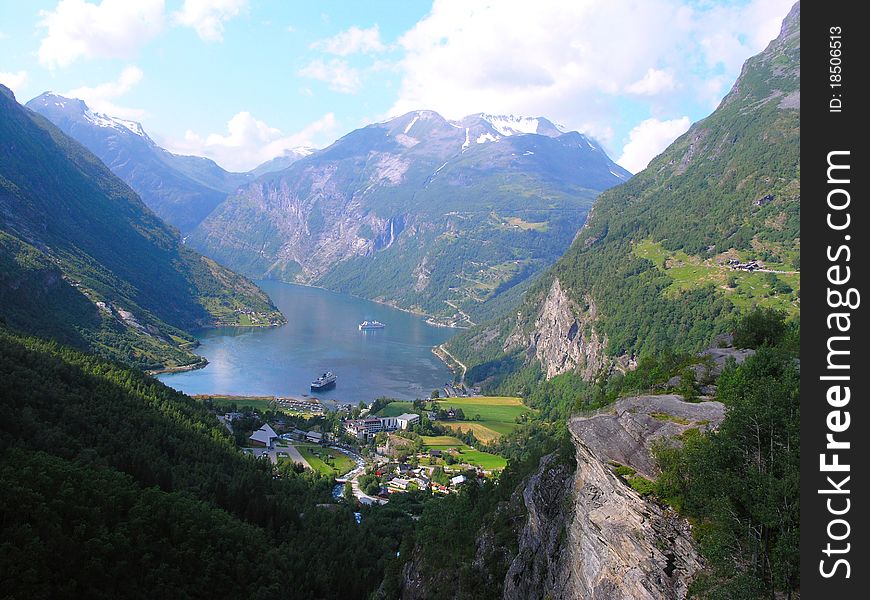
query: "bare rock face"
563, 338
622, 547
538, 570
589, 535
628, 430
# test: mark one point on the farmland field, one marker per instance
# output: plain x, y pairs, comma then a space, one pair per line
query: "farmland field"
484, 460
317, 456
485, 433
498, 415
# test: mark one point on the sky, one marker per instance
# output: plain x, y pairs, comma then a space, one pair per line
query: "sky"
243, 81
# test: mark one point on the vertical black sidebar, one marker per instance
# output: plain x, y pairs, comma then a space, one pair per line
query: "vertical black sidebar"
835, 228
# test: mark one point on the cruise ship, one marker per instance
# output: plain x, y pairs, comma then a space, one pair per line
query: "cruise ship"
324, 382
371, 325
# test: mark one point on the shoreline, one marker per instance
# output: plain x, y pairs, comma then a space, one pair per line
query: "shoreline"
417, 313
200, 364
203, 361
451, 361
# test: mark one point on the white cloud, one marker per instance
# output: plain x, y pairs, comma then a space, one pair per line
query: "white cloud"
14, 81
648, 139
654, 82
101, 97
338, 74
111, 29
570, 61
207, 17
250, 142
352, 41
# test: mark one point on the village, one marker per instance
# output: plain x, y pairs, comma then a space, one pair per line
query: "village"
370, 451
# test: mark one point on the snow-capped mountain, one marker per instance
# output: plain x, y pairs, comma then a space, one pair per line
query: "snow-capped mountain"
419, 211
182, 190
279, 163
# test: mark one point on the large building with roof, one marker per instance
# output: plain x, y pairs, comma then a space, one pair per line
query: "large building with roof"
264, 436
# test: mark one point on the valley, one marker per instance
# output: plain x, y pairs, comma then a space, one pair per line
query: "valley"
405, 212
439, 358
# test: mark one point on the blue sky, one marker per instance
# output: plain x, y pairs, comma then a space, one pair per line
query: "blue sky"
241, 81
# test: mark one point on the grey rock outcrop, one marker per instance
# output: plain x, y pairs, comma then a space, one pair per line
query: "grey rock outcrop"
590, 535
563, 338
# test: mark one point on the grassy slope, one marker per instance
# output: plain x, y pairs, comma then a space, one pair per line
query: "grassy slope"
484, 460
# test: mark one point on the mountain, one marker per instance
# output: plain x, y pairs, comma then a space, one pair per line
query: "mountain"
279, 163
427, 214
85, 262
709, 229
181, 190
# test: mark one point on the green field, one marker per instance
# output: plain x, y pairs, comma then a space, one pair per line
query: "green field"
749, 289
325, 460
485, 433
261, 403
484, 460
498, 415
394, 409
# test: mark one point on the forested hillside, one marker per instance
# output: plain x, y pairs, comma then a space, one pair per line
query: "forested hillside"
81, 251
112, 484
667, 259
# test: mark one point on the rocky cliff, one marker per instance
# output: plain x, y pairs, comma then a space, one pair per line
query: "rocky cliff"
590, 535
563, 338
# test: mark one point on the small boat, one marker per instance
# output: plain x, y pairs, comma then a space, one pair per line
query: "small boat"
365, 325
324, 382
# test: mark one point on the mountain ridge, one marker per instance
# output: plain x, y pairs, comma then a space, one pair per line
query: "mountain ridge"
93, 257
181, 189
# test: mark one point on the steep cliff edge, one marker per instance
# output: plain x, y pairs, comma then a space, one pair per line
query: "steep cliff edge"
591, 535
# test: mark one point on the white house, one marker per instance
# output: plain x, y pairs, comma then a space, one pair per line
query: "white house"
457, 480
314, 437
406, 420
397, 483
264, 436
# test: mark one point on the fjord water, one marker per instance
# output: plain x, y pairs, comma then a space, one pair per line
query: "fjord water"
321, 334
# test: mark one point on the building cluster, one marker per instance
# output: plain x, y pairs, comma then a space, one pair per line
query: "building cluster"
364, 429
401, 477
266, 436
459, 390
304, 406
752, 265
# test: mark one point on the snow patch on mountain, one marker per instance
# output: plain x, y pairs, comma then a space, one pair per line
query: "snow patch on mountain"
487, 137
102, 120
511, 125
411, 124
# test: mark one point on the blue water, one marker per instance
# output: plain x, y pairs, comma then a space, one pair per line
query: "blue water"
321, 334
